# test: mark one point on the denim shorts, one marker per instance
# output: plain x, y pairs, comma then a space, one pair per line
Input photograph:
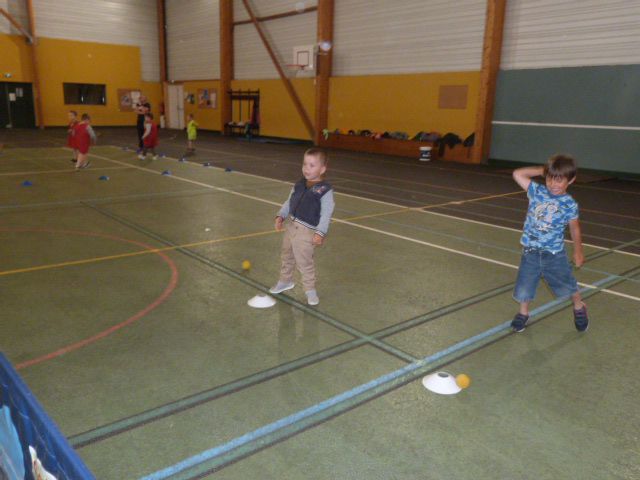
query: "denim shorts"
553, 267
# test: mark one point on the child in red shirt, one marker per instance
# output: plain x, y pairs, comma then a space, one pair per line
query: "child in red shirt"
84, 137
149, 138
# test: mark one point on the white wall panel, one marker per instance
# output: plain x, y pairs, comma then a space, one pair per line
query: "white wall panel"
122, 22
563, 33
18, 10
252, 60
411, 36
264, 8
193, 39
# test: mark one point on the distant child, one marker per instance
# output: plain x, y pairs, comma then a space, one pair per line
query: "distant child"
72, 115
84, 137
192, 133
149, 138
551, 208
305, 218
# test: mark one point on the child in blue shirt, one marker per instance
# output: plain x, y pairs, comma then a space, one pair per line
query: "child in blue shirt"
550, 210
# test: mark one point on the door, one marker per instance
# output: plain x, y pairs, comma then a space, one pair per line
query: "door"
176, 106
5, 119
19, 98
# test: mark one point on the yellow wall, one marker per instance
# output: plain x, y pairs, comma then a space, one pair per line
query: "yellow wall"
117, 66
378, 102
278, 115
60, 61
207, 118
406, 103
15, 59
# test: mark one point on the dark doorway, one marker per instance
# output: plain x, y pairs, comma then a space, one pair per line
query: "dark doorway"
16, 105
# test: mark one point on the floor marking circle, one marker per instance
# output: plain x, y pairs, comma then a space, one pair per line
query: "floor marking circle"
173, 281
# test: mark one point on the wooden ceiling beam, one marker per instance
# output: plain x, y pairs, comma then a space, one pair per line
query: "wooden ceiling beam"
285, 80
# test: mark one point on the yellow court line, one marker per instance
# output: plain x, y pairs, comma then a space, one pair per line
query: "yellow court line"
132, 254
426, 207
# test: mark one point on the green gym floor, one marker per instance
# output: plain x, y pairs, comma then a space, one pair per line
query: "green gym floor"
125, 311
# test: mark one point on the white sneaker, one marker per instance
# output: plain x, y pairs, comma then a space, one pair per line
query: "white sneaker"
282, 287
155, 157
141, 157
312, 297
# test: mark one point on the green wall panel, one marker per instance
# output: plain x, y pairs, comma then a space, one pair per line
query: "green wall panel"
605, 96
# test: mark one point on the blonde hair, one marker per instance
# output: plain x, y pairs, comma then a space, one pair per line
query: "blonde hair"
319, 153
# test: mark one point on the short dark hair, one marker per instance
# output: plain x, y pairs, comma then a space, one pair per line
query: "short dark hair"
85, 116
319, 153
561, 165
149, 114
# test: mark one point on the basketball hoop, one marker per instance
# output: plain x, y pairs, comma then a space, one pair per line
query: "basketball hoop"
297, 69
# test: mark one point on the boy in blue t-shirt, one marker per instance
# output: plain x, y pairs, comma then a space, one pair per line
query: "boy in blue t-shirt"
551, 208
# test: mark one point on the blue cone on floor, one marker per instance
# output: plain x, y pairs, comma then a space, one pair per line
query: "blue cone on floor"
166, 172
27, 183
103, 177
228, 169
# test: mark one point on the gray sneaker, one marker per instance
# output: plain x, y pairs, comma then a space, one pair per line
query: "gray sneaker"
312, 297
282, 287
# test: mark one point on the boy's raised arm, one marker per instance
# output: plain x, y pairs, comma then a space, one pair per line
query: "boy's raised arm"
523, 175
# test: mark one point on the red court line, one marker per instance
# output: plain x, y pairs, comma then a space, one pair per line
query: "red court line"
173, 282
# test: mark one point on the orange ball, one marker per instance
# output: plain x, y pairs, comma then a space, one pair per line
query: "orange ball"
463, 380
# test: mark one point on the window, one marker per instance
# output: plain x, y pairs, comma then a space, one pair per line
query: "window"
85, 94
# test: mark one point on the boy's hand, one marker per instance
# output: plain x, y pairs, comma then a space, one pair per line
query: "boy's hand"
523, 175
279, 221
576, 236
317, 239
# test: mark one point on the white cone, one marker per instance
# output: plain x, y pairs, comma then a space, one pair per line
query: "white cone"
261, 301
441, 382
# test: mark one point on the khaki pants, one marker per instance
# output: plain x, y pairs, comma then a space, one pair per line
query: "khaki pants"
297, 251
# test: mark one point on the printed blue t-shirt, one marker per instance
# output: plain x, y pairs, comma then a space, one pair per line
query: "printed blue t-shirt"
547, 217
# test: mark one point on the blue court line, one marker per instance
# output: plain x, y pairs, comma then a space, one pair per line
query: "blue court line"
333, 401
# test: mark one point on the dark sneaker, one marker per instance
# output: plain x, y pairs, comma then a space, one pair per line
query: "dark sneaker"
580, 319
519, 322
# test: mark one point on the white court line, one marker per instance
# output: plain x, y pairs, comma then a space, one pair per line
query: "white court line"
364, 227
382, 202
39, 172
455, 171
598, 247
568, 125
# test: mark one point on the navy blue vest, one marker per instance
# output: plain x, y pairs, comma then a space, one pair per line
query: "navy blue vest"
304, 204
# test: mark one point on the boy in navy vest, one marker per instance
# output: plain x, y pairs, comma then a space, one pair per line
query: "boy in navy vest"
305, 218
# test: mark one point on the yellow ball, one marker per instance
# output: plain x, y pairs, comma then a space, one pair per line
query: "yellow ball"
463, 380
246, 265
